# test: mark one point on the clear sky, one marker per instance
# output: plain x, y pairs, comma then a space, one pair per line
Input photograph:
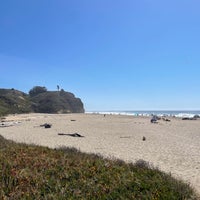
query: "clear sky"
113, 54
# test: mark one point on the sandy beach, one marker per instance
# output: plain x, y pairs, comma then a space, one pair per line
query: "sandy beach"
171, 146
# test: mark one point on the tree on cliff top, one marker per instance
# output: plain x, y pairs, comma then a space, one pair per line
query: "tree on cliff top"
37, 90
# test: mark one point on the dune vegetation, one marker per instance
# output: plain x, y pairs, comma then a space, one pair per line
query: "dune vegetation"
34, 172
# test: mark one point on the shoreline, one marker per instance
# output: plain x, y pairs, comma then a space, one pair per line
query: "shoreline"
166, 113
172, 146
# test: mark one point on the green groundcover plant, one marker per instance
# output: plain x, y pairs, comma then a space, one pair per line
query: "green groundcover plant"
34, 172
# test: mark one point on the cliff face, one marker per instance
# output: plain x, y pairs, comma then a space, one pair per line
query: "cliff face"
14, 101
57, 102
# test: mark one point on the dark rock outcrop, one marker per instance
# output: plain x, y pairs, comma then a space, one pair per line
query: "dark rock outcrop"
57, 102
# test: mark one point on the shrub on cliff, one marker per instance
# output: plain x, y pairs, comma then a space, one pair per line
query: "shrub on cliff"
37, 90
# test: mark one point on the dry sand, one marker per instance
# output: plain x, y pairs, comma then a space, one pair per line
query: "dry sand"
172, 146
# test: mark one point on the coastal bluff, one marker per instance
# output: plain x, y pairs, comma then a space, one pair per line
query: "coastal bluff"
39, 100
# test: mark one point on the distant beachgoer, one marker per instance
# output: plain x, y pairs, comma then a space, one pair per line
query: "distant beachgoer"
154, 119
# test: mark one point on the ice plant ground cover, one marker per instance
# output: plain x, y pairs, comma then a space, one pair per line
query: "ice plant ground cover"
34, 172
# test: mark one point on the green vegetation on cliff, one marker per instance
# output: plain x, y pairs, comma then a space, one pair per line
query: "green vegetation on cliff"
14, 101
39, 100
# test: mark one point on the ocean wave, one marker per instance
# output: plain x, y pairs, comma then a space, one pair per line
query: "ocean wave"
178, 114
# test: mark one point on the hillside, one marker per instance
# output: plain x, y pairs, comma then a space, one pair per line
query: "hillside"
14, 101
39, 100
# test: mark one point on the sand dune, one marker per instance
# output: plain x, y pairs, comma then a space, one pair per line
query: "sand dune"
172, 146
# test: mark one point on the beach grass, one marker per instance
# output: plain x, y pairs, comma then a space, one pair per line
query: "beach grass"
35, 172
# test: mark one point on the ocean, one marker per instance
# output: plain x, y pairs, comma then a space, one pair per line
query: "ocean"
168, 113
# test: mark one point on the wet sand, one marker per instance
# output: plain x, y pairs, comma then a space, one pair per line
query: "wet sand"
171, 146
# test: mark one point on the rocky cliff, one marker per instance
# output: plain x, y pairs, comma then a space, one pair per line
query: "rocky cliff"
39, 100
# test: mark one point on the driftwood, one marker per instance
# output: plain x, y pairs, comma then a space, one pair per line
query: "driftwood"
2, 125
71, 134
165, 119
8, 124
189, 118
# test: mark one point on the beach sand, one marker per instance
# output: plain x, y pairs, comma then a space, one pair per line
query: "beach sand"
171, 146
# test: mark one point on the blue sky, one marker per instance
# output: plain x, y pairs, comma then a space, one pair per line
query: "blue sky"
114, 55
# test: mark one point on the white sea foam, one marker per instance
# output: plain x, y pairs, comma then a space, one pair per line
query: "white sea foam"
187, 115
178, 114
